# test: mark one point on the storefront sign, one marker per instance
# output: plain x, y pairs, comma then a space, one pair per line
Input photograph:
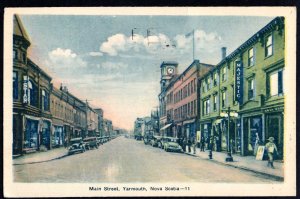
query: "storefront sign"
239, 82
260, 153
25, 90
274, 109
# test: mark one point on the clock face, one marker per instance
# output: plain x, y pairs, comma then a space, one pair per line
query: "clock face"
170, 71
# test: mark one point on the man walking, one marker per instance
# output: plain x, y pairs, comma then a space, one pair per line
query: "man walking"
202, 144
271, 149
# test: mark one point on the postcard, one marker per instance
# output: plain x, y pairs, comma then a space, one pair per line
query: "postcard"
136, 101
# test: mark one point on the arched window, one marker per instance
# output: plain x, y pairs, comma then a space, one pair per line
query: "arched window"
45, 100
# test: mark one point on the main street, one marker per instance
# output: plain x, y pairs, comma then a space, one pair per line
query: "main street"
128, 160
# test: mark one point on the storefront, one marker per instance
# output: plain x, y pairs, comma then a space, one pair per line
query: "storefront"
58, 136
31, 135
45, 133
274, 127
190, 129
206, 132
253, 134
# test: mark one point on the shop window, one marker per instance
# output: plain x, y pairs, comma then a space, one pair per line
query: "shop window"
251, 89
269, 46
224, 73
15, 85
276, 83
251, 57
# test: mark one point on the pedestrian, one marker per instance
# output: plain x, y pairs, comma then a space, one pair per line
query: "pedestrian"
189, 144
202, 144
194, 144
184, 144
271, 149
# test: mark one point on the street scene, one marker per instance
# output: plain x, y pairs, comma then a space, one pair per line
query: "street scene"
112, 98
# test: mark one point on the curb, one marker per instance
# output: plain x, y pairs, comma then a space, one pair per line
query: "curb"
275, 177
56, 158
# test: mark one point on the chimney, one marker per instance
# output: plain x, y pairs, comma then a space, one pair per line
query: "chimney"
223, 49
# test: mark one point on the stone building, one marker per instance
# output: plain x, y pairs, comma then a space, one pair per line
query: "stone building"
249, 81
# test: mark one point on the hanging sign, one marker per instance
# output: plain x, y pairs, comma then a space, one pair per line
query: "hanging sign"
25, 90
239, 82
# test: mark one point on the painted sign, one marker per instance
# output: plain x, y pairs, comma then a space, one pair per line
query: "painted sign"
25, 90
239, 82
260, 153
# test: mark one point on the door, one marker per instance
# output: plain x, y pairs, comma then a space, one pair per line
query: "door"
275, 129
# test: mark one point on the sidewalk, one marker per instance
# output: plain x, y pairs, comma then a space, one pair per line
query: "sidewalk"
38, 156
248, 163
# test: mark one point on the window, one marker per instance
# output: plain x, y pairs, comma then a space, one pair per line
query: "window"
15, 54
195, 107
276, 83
195, 85
215, 102
208, 83
204, 86
224, 73
251, 57
224, 99
188, 91
215, 79
206, 107
188, 109
45, 100
192, 88
269, 46
32, 94
192, 108
15, 85
24, 57
250, 89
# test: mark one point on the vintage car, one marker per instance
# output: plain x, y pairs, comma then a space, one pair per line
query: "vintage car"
155, 140
148, 138
171, 144
99, 141
76, 145
90, 142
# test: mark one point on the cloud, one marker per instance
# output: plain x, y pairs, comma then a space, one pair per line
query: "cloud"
96, 54
120, 44
65, 58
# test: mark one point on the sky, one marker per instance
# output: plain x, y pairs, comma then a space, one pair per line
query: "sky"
98, 59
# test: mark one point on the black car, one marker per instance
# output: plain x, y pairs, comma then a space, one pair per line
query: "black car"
76, 145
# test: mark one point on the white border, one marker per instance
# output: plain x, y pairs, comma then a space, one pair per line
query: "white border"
12, 189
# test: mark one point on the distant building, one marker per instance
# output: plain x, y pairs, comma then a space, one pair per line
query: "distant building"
99, 112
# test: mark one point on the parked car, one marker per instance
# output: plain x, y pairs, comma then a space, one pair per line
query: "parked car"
76, 145
171, 144
90, 142
162, 141
147, 139
155, 140
99, 141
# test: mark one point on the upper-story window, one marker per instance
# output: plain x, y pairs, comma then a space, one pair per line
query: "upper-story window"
251, 88
224, 103
206, 106
195, 83
215, 79
215, 102
15, 54
208, 83
224, 73
276, 83
192, 86
269, 46
32, 94
45, 100
204, 86
15, 85
251, 57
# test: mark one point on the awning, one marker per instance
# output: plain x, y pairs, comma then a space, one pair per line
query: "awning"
167, 126
218, 121
189, 121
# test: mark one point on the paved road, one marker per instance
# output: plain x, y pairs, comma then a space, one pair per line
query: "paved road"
127, 160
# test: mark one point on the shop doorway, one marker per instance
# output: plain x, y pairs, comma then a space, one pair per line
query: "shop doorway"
252, 127
275, 129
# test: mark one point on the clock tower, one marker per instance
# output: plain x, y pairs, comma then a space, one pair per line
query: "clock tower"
168, 71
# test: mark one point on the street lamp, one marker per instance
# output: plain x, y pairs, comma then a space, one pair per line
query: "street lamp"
229, 113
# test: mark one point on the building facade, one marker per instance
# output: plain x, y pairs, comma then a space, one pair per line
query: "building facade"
99, 112
31, 97
249, 81
181, 96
